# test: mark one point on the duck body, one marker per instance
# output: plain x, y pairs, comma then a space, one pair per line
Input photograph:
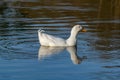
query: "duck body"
50, 40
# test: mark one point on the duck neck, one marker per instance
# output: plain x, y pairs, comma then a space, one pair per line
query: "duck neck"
72, 39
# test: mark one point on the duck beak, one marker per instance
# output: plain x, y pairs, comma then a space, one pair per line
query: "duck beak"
84, 30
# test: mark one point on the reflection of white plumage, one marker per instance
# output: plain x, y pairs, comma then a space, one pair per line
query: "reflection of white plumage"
48, 51
49, 40
45, 51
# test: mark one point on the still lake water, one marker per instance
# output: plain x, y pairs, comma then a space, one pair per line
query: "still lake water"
96, 57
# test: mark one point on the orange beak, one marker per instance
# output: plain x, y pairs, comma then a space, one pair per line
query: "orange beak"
84, 30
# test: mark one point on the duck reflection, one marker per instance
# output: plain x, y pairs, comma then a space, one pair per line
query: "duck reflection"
73, 55
48, 51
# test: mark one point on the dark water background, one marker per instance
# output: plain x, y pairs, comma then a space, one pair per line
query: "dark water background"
98, 50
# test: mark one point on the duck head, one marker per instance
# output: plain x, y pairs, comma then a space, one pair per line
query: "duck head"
78, 28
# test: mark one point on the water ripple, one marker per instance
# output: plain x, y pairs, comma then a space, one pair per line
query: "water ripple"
18, 42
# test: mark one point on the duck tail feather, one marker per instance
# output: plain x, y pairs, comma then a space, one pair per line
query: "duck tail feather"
40, 30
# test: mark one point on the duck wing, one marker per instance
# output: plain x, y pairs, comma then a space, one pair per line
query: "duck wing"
50, 40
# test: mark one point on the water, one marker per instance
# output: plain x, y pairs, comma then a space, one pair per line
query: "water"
96, 56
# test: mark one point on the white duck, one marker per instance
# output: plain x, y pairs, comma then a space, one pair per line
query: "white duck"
49, 40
